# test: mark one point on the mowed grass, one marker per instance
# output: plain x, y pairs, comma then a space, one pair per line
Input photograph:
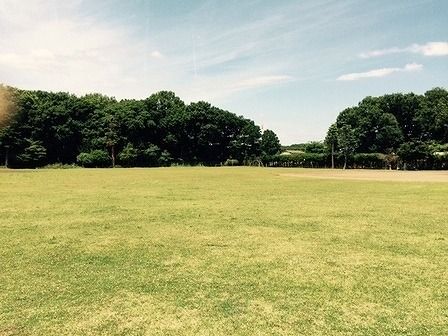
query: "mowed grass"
222, 251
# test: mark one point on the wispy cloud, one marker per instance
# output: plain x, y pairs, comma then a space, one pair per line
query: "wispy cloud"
67, 49
260, 81
211, 50
71, 47
229, 84
29, 60
62, 49
377, 73
428, 49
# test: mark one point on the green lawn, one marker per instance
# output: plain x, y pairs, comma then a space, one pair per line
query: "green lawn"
220, 251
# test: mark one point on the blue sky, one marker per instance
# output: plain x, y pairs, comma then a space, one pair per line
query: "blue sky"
292, 66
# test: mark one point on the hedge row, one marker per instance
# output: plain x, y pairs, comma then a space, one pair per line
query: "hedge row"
358, 160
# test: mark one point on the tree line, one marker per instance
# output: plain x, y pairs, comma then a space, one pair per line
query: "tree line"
405, 131
39, 128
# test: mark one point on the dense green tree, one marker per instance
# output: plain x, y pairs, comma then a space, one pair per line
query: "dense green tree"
331, 141
413, 153
397, 123
159, 130
317, 147
388, 135
433, 115
405, 108
270, 144
33, 155
38, 128
348, 141
152, 155
245, 146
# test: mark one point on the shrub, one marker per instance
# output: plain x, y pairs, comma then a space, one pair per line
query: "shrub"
151, 155
128, 156
306, 160
94, 159
165, 158
369, 160
34, 154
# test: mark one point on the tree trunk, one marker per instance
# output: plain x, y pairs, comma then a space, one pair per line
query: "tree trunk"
113, 155
7, 157
345, 161
332, 156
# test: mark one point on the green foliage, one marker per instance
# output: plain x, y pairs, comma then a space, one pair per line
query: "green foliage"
370, 160
152, 155
304, 160
159, 130
388, 134
33, 155
165, 158
406, 124
270, 144
128, 156
295, 147
348, 141
317, 147
440, 160
331, 139
331, 142
414, 154
95, 159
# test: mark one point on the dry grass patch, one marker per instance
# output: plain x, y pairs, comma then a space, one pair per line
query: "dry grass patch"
373, 175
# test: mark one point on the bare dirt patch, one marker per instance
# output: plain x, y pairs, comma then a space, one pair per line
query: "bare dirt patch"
373, 175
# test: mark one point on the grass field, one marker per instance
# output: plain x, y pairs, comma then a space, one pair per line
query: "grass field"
223, 251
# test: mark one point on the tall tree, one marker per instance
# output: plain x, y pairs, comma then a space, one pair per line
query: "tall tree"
348, 141
331, 141
270, 144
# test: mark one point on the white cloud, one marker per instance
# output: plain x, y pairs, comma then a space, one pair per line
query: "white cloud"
412, 67
65, 49
50, 45
72, 46
30, 60
157, 54
428, 49
377, 73
431, 49
378, 53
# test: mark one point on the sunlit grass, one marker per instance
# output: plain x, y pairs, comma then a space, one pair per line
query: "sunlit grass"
220, 251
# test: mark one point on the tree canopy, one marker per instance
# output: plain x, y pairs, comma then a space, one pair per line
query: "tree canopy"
39, 128
414, 127
99, 131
